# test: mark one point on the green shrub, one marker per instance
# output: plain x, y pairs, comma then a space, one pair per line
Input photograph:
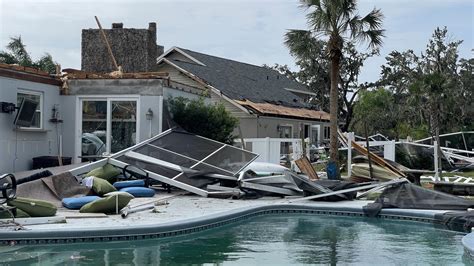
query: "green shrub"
208, 120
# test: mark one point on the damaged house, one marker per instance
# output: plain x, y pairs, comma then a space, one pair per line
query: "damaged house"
266, 103
82, 114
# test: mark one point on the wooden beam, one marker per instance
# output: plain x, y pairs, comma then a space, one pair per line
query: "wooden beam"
107, 44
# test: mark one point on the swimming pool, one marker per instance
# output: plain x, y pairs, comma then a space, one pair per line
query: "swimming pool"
285, 239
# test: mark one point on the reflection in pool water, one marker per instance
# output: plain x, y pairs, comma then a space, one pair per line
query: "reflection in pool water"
267, 240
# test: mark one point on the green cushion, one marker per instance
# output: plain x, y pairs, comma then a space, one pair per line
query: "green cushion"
101, 186
108, 204
34, 207
19, 214
107, 172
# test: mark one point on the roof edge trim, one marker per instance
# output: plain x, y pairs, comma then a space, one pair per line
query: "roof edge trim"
300, 91
176, 49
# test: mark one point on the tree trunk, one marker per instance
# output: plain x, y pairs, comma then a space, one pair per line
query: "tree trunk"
333, 153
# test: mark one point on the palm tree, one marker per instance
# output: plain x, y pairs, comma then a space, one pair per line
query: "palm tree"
17, 54
338, 21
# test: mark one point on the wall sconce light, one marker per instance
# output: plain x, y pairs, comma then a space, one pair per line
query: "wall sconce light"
149, 114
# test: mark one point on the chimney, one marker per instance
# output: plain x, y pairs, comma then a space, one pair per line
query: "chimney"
152, 27
117, 25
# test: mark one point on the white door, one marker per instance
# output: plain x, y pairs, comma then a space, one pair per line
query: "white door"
315, 135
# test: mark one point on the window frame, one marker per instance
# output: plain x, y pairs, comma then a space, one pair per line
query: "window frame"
327, 129
38, 109
281, 126
109, 99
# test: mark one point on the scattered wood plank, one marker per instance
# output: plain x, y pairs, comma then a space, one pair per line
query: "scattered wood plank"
305, 166
378, 160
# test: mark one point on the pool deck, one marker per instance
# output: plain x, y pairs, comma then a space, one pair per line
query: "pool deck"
182, 215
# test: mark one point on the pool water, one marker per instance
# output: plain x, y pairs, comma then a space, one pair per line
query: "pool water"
267, 240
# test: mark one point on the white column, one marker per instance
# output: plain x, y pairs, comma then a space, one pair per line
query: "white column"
350, 137
436, 166
389, 150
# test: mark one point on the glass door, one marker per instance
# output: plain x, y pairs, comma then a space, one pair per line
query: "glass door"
107, 125
94, 128
124, 125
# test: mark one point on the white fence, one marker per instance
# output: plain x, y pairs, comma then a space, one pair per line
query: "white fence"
270, 149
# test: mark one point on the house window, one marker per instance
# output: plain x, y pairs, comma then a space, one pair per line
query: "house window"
285, 131
37, 97
326, 132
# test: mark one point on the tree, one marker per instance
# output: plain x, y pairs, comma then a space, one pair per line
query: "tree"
377, 109
466, 94
338, 21
433, 90
208, 120
17, 54
314, 72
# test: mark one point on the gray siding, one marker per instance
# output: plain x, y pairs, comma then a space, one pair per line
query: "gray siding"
261, 127
177, 76
234, 110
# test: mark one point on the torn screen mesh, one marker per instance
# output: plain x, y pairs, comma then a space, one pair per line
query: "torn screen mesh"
188, 158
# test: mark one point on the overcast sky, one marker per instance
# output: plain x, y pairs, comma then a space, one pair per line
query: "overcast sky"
243, 30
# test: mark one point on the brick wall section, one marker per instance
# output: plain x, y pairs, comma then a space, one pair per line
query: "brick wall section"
134, 49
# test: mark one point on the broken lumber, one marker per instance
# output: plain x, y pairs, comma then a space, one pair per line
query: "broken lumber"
376, 159
305, 166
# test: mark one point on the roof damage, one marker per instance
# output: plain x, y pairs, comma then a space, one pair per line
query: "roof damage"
283, 111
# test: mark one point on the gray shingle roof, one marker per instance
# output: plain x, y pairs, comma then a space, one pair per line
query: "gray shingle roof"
241, 81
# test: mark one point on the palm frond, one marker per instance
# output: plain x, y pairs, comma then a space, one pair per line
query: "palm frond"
373, 20
7, 58
321, 20
301, 43
18, 50
46, 63
374, 38
368, 28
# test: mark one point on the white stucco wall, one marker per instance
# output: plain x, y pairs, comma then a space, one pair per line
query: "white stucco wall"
18, 147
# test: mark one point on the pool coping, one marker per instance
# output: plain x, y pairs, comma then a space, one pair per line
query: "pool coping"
468, 243
192, 225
